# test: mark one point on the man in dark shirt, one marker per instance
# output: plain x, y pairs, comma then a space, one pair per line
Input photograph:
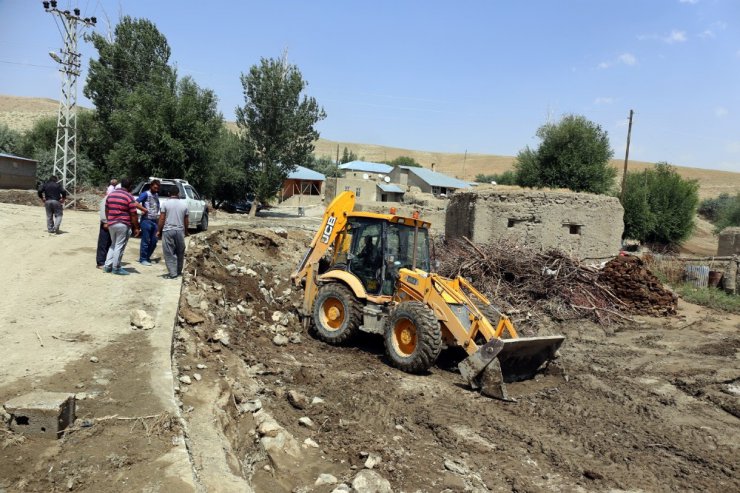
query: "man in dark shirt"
53, 195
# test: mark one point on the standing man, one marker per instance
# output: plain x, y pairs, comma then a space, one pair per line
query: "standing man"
173, 228
120, 210
103, 236
112, 186
150, 200
53, 195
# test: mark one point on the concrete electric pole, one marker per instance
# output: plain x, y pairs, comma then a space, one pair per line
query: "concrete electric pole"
65, 151
626, 159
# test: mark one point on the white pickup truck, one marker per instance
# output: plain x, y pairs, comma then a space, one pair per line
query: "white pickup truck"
196, 205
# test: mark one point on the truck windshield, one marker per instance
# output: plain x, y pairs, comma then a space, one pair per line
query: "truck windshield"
401, 246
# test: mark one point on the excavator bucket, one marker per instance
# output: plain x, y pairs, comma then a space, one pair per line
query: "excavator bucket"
502, 361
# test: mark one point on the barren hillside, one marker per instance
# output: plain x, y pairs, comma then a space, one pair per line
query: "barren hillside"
21, 112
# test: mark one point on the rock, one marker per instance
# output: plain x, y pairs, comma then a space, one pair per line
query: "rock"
297, 400
197, 377
221, 336
250, 406
193, 300
280, 340
94, 359
203, 306
295, 338
368, 481
373, 460
5, 417
306, 421
282, 232
185, 379
453, 482
342, 488
231, 268
316, 401
201, 366
276, 316
325, 479
142, 320
281, 447
191, 317
307, 442
186, 368
455, 467
287, 292
251, 273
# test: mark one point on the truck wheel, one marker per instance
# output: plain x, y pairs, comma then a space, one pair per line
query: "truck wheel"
336, 314
413, 337
203, 225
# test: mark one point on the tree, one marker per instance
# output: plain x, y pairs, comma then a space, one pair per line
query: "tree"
9, 139
574, 153
729, 215
347, 156
324, 165
659, 206
276, 123
405, 161
228, 180
137, 56
508, 177
712, 208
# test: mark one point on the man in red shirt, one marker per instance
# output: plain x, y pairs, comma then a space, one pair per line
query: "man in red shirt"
120, 210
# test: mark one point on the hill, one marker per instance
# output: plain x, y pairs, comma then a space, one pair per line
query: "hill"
21, 112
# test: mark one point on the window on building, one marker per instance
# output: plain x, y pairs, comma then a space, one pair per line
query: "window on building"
436, 190
574, 229
346, 188
510, 223
357, 191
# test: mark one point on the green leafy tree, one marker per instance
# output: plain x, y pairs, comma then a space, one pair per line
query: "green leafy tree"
659, 206
324, 165
277, 124
136, 57
9, 139
506, 178
729, 214
712, 208
405, 161
228, 179
574, 153
347, 156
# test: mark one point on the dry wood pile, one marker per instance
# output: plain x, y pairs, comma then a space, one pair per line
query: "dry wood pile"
637, 287
521, 280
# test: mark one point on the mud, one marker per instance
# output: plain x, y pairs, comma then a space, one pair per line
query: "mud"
650, 406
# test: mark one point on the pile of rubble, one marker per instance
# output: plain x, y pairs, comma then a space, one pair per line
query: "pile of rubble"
637, 288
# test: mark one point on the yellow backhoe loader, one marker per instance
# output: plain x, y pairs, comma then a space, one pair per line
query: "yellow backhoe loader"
372, 272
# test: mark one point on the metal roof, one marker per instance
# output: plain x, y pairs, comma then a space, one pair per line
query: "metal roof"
12, 156
390, 188
434, 179
367, 166
301, 173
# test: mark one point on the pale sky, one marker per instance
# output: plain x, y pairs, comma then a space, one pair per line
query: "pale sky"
480, 76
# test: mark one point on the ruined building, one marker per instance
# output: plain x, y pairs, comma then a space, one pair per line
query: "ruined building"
582, 224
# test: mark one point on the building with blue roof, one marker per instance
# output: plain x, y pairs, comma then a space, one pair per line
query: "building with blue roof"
427, 180
364, 167
302, 182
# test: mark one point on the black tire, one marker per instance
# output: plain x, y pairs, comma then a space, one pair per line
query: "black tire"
203, 225
417, 352
339, 330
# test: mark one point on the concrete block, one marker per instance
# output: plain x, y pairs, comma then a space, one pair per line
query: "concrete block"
41, 413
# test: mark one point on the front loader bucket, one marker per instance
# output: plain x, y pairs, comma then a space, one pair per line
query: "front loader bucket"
502, 361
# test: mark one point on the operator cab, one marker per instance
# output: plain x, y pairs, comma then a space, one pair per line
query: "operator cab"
374, 249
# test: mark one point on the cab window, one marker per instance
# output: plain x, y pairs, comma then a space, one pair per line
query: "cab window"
189, 191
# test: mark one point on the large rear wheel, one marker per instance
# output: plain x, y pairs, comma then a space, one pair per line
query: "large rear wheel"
336, 314
413, 337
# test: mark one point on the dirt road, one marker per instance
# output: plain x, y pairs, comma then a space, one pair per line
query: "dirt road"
58, 312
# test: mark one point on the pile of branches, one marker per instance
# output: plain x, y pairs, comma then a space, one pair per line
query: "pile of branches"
522, 280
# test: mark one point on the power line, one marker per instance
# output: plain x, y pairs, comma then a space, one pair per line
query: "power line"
68, 58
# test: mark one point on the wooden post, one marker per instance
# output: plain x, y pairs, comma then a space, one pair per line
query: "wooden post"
626, 158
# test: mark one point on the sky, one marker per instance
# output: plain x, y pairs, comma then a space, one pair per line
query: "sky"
475, 76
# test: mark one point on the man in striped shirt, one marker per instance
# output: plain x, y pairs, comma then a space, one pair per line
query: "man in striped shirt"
120, 210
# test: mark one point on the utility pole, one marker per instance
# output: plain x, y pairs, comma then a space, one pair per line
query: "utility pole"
465, 158
65, 151
626, 158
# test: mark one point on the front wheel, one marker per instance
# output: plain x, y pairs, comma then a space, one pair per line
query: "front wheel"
203, 225
413, 337
336, 314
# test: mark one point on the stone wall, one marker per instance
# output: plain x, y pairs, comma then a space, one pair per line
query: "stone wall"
582, 224
729, 242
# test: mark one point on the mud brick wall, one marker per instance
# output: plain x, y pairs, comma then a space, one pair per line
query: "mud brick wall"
729, 242
582, 224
